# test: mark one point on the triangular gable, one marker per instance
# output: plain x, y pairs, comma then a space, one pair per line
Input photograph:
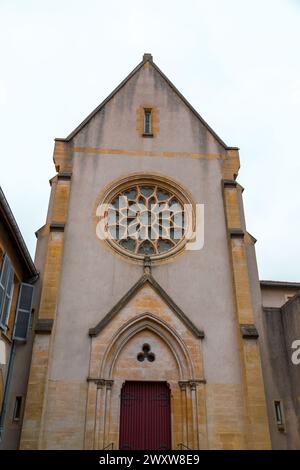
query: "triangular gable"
146, 58
146, 278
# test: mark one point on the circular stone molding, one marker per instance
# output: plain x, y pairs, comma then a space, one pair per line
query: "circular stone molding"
145, 215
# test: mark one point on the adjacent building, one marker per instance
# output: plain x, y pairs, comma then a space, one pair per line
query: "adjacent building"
17, 278
280, 345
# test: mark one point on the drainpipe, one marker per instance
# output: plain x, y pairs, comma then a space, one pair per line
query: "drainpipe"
6, 388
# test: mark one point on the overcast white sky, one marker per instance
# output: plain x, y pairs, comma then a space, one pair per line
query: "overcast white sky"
237, 62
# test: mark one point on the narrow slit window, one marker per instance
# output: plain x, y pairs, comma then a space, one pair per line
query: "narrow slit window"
147, 121
18, 408
279, 414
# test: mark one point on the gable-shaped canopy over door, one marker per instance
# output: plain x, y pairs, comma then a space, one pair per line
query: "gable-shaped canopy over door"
146, 384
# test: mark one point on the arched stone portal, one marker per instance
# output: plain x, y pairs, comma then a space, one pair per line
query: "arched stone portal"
176, 359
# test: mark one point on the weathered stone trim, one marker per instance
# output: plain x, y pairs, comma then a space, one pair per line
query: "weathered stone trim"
236, 233
254, 394
64, 175
159, 290
229, 183
249, 239
101, 382
147, 57
191, 383
44, 326
37, 392
57, 227
63, 156
147, 153
249, 331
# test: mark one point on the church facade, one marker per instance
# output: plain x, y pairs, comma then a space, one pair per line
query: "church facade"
147, 333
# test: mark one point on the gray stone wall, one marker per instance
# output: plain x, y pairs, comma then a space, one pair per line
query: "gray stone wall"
281, 327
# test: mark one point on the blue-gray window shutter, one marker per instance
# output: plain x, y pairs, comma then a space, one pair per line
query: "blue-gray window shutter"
6, 287
23, 312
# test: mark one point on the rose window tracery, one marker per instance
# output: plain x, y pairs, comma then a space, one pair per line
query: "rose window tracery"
145, 217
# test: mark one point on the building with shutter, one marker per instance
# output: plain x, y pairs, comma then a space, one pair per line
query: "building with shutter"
149, 323
17, 278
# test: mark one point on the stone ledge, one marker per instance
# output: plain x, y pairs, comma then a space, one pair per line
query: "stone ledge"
64, 175
57, 227
229, 183
147, 135
44, 326
249, 331
236, 233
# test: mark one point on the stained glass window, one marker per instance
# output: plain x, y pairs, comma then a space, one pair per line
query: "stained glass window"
146, 219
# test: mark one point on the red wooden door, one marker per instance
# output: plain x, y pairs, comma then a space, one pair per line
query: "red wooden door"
145, 422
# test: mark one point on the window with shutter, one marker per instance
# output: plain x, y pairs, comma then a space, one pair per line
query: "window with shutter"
23, 313
6, 291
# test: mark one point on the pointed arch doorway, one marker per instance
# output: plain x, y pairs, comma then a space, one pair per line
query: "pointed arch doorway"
118, 342
145, 418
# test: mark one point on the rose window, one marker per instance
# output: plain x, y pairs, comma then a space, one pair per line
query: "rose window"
146, 220
145, 216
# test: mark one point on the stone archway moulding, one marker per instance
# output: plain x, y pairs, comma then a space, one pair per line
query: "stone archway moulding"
147, 321
187, 386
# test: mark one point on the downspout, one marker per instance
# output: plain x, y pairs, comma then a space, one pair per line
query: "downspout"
6, 388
